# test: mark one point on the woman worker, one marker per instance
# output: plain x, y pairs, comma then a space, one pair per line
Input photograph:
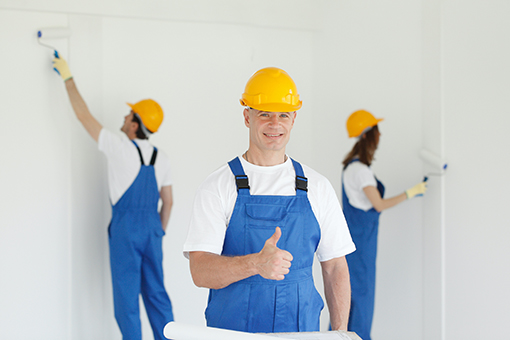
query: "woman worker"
362, 201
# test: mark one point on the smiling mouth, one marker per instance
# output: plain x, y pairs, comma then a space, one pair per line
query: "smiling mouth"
273, 135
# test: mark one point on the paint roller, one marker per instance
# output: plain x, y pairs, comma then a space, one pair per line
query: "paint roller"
53, 33
180, 331
435, 161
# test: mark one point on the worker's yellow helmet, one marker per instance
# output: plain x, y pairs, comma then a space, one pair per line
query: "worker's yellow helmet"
359, 122
271, 89
149, 112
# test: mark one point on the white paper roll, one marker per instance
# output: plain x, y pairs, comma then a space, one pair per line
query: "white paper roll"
179, 331
54, 33
433, 160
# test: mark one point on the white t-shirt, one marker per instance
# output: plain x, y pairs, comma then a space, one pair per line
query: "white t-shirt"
216, 197
124, 162
356, 177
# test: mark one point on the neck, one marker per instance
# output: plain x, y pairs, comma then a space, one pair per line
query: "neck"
131, 136
268, 158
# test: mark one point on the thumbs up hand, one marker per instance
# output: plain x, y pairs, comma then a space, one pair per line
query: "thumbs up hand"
273, 263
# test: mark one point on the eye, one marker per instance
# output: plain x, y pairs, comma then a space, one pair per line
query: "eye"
284, 115
263, 114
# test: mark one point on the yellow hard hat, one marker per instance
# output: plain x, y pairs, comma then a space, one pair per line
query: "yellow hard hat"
359, 122
150, 113
271, 89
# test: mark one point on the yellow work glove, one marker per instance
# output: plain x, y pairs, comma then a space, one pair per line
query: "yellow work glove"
418, 190
60, 65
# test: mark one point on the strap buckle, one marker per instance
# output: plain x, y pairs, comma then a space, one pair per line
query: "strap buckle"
301, 183
242, 182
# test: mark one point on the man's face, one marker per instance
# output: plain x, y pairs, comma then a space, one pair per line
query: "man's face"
269, 131
128, 123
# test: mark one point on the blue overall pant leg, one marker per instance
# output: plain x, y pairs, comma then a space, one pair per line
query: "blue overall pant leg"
135, 237
364, 227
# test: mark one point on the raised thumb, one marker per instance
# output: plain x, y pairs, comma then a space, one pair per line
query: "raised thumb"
273, 240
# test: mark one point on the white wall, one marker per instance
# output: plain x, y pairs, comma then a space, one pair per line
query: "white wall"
437, 71
368, 57
476, 77
56, 253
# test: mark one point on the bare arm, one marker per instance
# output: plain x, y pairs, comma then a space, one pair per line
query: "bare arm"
337, 288
216, 271
81, 110
166, 207
380, 203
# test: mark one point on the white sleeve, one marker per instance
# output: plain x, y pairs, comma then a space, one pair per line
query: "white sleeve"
109, 143
210, 214
335, 239
356, 177
163, 169
364, 177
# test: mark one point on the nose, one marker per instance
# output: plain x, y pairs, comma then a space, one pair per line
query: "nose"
274, 120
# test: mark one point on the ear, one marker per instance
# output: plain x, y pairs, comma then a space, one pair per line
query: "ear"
294, 115
246, 114
133, 127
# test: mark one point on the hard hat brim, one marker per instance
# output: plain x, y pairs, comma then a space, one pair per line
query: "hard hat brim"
377, 120
274, 107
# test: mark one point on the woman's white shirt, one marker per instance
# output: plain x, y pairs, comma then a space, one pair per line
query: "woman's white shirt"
356, 177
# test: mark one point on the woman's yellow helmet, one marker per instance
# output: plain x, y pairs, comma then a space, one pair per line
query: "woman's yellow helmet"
360, 122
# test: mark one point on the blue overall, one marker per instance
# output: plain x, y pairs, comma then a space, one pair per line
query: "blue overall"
135, 237
256, 304
364, 226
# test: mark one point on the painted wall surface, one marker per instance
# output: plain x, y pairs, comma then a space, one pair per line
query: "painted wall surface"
35, 184
437, 71
477, 234
433, 203
54, 234
368, 57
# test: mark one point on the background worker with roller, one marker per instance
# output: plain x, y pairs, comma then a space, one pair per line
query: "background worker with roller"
258, 221
362, 202
138, 176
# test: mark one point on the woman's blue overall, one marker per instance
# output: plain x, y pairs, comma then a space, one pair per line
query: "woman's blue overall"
256, 304
364, 226
136, 256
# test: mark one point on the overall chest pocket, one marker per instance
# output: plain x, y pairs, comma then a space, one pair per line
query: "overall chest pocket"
265, 214
261, 222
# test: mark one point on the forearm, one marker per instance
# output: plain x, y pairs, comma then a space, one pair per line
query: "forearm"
337, 289
378, 202
167, 199
164, 214
81, 110
387, 203
216, 271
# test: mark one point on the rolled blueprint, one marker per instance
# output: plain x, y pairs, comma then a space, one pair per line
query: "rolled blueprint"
179, 331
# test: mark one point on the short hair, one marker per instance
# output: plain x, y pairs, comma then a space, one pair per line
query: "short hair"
139, 132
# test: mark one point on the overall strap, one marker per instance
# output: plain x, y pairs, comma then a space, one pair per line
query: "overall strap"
301, 180
154, 155
139, 152
243, 188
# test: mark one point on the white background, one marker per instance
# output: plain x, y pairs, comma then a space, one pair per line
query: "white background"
437, 71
